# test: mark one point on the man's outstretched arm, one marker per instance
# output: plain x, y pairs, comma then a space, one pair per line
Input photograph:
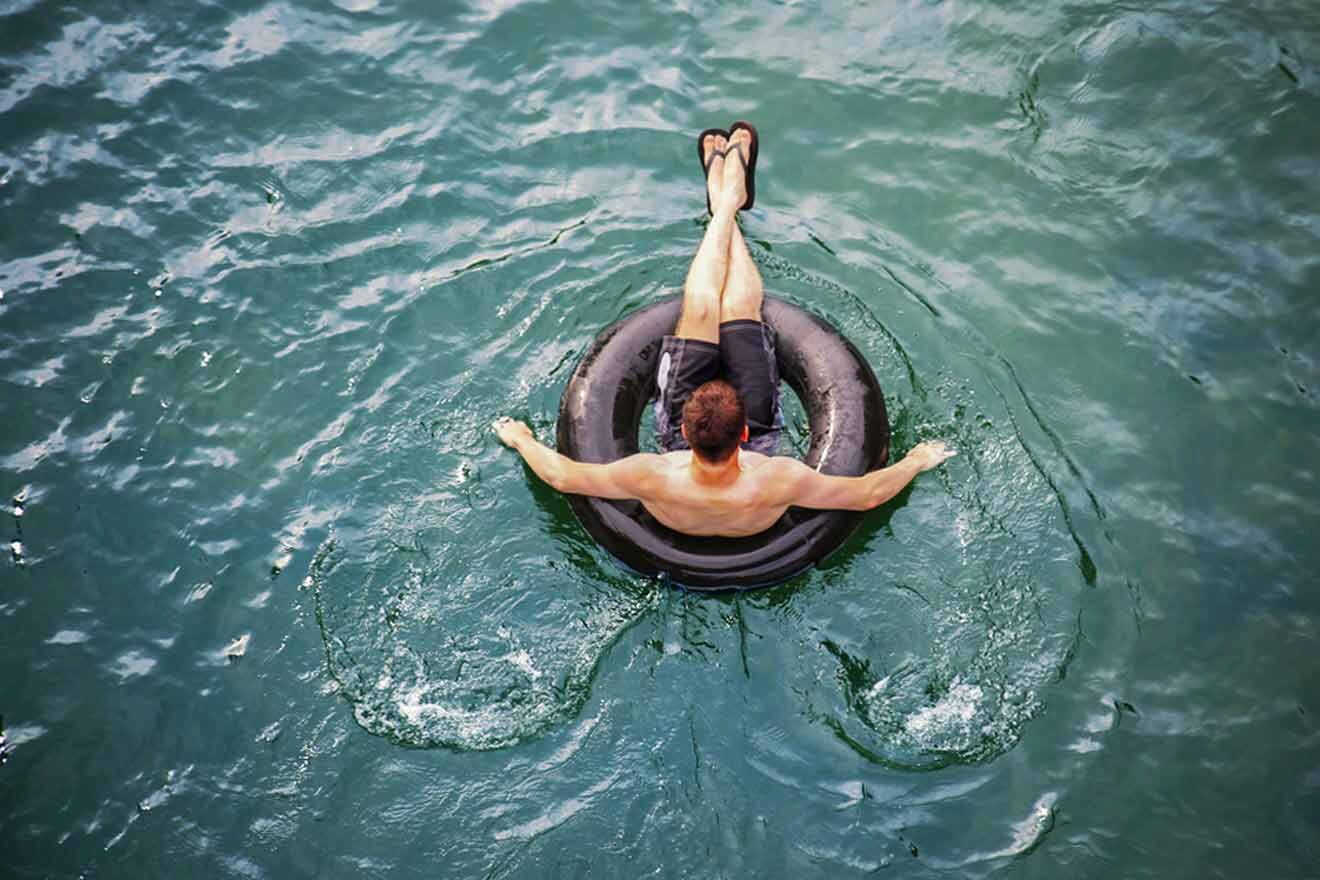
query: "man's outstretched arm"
630, 477
803, 487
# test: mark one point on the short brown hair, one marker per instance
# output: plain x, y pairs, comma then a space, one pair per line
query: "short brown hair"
713, 419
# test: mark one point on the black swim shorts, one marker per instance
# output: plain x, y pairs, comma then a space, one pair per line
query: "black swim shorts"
745, 358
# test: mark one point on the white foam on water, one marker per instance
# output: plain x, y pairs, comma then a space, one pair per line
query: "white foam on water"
1028, 832
17, 736
132, 664
68, 637
523, 661
949, 719
238, 647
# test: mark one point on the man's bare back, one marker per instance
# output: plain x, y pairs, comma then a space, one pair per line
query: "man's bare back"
694, 509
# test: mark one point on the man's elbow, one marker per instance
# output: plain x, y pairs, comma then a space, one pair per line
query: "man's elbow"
876, 497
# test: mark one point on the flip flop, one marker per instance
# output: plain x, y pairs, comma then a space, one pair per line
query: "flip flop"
749, 162
706, 162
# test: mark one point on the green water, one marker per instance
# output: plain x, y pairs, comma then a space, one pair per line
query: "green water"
277, 604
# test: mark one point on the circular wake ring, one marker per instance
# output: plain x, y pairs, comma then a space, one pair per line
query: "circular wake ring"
601, 411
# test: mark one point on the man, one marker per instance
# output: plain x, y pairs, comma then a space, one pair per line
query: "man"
715, 477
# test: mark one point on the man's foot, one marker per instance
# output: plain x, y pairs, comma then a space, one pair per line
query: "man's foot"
711, 146
737, 157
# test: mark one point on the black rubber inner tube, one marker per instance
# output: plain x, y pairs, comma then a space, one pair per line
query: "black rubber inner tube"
601, 411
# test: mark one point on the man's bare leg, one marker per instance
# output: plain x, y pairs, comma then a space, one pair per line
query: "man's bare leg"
742, 294
700, 318
742, 286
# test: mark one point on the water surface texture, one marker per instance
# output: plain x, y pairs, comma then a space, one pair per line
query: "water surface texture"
275, 603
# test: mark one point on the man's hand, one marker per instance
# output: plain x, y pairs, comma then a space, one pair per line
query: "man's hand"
930, 453
510, 431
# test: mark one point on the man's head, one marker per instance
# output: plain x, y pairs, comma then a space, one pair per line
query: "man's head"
714, 421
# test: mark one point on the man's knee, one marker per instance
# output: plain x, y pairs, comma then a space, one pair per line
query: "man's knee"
700, 307
740, 306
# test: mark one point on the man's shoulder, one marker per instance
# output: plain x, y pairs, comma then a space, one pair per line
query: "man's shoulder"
663, 461
758, 463
774, 477
651, 467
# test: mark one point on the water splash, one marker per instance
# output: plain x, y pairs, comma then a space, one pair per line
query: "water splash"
423, 647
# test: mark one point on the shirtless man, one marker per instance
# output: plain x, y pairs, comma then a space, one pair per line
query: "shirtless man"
715, 478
